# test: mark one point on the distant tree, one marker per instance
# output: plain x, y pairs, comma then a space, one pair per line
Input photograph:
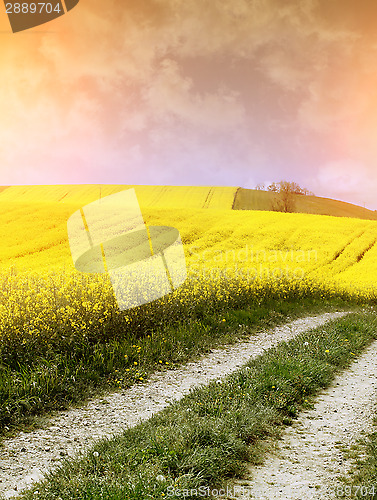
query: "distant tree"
285, 199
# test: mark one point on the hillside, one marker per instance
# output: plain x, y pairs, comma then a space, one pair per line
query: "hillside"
216, 197
176, 197
253, 199
33, 230
34, 237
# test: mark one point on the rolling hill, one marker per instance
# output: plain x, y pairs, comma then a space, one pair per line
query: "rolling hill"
176, 197
253, 199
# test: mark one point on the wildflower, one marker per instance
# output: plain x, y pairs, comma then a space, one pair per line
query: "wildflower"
327, 350
160, 478
135, 363
352, 353
306, 343
95, 454
224, 319
273, 387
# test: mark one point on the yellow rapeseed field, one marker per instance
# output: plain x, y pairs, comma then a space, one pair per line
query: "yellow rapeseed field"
171, 197
260, 248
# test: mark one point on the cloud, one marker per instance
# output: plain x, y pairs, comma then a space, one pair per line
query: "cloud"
348, 180
169, 96
107, 94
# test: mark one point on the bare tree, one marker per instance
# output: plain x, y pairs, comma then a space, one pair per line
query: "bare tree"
284, 201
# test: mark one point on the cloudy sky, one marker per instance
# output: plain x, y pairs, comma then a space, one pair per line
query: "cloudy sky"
194, 92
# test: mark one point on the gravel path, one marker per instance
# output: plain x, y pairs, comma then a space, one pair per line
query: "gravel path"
28, 456
305, 462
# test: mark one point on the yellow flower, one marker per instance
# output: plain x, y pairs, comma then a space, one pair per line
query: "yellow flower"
327, 350
273, 387
135, 363
224, 319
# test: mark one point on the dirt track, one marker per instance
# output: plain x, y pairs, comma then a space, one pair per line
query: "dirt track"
28, 456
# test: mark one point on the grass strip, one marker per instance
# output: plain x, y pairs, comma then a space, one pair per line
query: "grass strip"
208, 437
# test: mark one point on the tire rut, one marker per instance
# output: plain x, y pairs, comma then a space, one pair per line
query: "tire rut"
27, 457
307, 462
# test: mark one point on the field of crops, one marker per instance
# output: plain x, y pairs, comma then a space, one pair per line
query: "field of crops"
61, 331
168, 197
33, 231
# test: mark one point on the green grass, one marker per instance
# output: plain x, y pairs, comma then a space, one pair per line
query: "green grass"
208, 438
253, 199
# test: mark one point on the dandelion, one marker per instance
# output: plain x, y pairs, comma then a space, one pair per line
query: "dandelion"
95, 454
327, 350
160, 478
135, 363
273, 387
224, 319
306, 343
